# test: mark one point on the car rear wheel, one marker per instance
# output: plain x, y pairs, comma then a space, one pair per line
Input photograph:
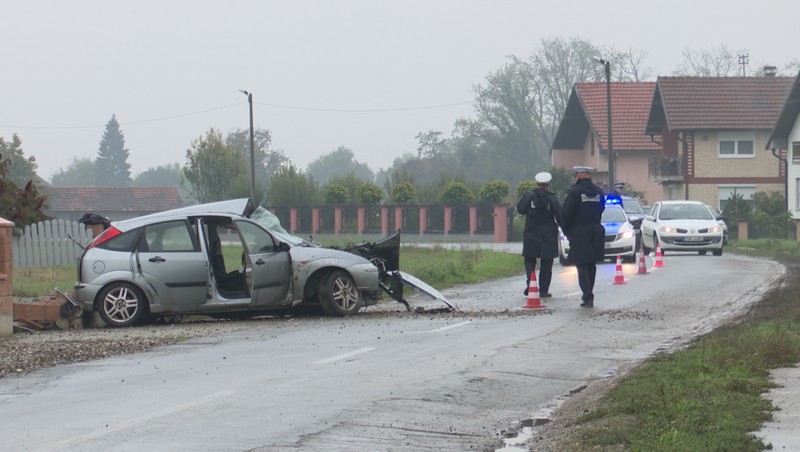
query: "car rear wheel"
702, 253
338, 294
122, 304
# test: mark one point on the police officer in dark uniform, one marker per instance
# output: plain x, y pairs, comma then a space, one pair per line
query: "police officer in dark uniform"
540, 240
581, 222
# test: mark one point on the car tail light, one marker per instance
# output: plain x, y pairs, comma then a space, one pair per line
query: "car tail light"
104, 236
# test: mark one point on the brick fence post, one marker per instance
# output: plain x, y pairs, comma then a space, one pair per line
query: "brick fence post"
6, 282
742, 230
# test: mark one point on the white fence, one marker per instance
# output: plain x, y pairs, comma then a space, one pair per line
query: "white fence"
50, 243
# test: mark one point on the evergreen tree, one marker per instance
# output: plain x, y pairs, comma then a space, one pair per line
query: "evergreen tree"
111, 166
21, 169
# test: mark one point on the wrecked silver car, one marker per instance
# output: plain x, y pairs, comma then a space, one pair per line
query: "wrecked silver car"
226, 259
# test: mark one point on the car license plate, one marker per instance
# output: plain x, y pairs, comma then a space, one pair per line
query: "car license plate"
693, 239
608, 245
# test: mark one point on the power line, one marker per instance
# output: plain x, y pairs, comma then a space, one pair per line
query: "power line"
163, 118
286, 107
363, 110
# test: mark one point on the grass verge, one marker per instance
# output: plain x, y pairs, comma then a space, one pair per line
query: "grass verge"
708, 396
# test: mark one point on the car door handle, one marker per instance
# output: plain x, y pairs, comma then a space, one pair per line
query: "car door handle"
260, 261
157, 259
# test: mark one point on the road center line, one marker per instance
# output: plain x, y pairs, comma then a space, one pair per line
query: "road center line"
344, 355
450, 327
129, 424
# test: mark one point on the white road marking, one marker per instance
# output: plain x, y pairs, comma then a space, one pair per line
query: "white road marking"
344, 355
128, 424
450, 327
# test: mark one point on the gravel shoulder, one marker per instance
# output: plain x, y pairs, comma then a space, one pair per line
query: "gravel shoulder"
28, 352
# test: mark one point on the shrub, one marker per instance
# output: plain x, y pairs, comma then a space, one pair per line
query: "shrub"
495, 191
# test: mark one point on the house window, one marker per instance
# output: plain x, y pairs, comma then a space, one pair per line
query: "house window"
796, 153
797, 193
737, 144
727, 192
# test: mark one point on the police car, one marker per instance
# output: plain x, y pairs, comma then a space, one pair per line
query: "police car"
621, 236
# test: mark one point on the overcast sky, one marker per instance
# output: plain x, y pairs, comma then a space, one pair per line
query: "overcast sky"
357, 73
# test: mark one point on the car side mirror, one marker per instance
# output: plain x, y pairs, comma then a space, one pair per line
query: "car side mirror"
283, 246
650, 218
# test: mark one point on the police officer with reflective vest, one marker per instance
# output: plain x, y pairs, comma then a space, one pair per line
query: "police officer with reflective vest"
540, 240
581, 222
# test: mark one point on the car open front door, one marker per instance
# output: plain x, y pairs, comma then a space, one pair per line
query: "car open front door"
267, 267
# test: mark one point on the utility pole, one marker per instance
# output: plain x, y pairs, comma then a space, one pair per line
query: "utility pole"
252, 149
612, 159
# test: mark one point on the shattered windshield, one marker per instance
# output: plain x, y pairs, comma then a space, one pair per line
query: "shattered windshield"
270, 222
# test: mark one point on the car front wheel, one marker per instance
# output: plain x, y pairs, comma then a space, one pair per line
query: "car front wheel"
122, 304
717, 252
338, 294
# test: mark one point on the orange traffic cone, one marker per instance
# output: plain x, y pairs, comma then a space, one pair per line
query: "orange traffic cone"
619, 278
642, 264
533, 294
659, 261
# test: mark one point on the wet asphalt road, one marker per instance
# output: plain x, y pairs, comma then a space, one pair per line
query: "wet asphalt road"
386, 379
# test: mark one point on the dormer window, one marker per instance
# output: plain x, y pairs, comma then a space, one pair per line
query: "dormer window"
737, 144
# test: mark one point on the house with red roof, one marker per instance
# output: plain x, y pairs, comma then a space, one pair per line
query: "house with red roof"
115, 203
582, 136
785, 137
713, 133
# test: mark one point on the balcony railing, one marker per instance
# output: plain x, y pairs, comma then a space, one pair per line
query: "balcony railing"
666, 168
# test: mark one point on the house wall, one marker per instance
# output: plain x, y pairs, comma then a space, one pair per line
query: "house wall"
709, 193
633, 169
709, 172
707, 162
589, 155
793, 171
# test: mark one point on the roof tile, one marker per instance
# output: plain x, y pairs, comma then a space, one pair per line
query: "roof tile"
630, 106
723, 103
114, 199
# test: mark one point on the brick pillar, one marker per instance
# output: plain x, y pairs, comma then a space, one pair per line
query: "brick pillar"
743, 230
292, 219
473, 219
362, 219
448, 219
6, 287
797, 230
398, 218
315, 220
385, 220
423, 219
500, 224
337, 220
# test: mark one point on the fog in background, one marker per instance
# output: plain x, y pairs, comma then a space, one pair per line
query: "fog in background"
366, 74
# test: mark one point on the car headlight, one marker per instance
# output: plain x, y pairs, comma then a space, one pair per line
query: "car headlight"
668, 229
626, 234
714, 229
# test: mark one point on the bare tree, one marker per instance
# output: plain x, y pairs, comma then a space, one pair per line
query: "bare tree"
632, 66
710, 62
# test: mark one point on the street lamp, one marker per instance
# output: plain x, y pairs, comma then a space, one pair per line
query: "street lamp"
252, 148
611, 157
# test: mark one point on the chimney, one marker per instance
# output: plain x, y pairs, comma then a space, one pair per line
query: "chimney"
770, 71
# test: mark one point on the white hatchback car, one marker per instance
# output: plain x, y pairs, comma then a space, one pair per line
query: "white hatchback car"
682, 226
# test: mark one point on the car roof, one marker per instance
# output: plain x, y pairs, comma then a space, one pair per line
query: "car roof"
680, 201
234, 208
